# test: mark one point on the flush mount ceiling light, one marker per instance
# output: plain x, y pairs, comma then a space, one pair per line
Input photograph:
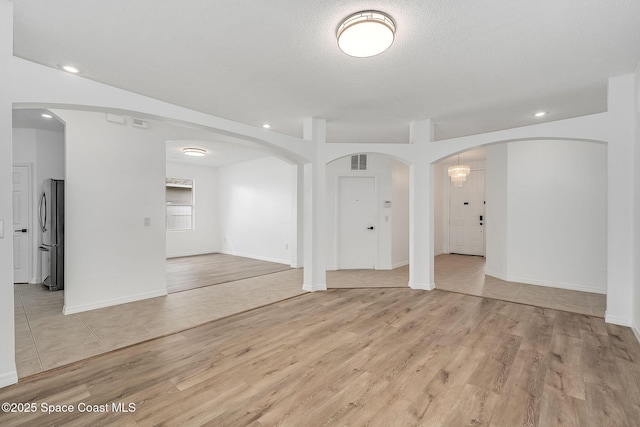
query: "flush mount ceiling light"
197, 152
540, 114
365, 33
47, 116
266, 126
458, 173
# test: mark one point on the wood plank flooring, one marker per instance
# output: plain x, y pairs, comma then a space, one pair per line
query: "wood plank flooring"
355, 357
193, 272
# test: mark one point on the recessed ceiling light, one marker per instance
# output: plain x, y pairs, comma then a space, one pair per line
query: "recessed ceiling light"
197, 152
540, 114
266, 126
70, 69
366, 33
47, 116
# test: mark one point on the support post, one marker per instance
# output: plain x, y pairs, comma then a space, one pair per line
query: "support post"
315, 275
421, 209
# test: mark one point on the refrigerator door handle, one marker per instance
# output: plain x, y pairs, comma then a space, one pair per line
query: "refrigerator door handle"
42, 212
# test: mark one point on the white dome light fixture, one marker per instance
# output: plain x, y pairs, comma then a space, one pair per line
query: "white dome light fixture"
196, 152
366, 33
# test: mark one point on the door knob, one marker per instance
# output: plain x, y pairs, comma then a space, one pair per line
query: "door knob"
22, 230
370, 228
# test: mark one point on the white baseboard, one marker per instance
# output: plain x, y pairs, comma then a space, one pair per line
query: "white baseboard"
116, 301
314, 288
383, 267
258, 257
8, 378
399, 264
422, 286
559, 285
617, 320
331, 268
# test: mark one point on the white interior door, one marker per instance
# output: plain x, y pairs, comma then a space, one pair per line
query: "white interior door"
356, 223
21, 227
466, 224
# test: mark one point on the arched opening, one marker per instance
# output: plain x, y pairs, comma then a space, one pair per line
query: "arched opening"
544, 225
367, 220
115, 171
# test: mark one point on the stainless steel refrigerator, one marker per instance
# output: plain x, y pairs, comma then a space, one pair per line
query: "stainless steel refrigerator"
51, 219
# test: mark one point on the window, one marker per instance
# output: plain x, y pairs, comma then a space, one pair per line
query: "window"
179, 201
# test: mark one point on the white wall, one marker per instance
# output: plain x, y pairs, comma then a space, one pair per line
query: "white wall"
255, 209
399, 214
115, 178
204, 238
497, 216
555, 214
389, 234
440, 210
636, 208
44, 151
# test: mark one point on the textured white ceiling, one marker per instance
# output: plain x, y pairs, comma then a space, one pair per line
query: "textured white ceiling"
471, 66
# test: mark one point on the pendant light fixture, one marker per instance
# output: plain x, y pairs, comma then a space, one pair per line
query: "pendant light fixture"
458, 173
366, 33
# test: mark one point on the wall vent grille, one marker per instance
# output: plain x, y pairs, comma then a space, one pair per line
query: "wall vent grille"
359, 162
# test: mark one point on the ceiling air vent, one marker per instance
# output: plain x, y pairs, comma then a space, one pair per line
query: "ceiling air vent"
140, 123
359, 162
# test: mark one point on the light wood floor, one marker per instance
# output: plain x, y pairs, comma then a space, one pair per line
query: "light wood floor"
375, 357
192, 272
40, 346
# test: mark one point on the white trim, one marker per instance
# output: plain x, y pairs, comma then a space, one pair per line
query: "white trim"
186, 254
108, 303
8, 378
258, 257
399, 264
558, 285
312, 288
617, 320
422, 286
383, 267
331, 268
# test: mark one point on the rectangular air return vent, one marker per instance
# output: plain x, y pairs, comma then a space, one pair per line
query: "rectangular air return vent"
140, 123
359, 162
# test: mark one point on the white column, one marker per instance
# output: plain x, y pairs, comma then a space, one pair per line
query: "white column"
8, 373
421, 209
315, 275
622, 109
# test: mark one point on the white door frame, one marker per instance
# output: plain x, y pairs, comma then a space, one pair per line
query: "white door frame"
337, 216
32, 234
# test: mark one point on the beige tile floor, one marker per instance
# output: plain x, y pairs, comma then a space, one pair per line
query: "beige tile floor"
465, 274
46, 339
